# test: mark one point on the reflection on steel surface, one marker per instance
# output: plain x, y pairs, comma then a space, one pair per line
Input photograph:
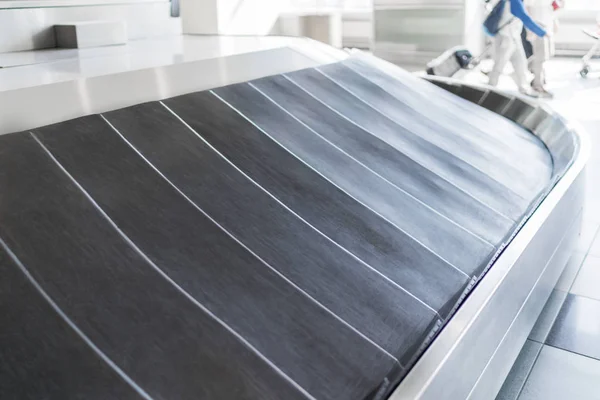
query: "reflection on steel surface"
300, 236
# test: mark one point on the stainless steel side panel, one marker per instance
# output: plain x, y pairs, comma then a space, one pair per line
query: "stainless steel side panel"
474, 353
509, 348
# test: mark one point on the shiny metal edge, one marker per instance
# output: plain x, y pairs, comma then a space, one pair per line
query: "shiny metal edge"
474, 352
440, 366
31, 107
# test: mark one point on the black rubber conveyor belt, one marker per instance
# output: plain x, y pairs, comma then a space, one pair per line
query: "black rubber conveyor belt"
301, 236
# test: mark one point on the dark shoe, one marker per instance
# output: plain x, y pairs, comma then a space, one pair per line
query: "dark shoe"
542, 93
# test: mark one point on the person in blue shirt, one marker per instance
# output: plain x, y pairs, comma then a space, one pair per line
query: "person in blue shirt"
508, 46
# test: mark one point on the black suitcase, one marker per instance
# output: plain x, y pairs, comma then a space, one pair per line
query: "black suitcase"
450, 62
527, 46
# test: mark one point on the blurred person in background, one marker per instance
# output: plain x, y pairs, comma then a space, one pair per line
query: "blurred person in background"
543, 13
507, 43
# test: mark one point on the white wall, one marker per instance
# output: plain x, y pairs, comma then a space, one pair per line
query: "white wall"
416, 31
251, 17
570, 39
230, 17
357, 29
32, 27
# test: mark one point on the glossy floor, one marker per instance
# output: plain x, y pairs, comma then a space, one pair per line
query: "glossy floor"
40, 67
561, 358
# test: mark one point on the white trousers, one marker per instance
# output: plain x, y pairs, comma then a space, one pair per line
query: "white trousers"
508, 47
541, 53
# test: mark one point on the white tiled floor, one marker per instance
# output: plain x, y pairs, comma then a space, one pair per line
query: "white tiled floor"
561, 375
588, 280
569, 320
588, 233
571, 270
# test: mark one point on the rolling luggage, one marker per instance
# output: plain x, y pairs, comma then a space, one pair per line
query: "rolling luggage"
457, 58
450, 62
585, 69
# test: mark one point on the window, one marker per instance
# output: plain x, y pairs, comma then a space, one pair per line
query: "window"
365, 5
582, 5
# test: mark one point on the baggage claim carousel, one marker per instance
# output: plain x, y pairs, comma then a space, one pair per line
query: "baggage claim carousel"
323, 225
